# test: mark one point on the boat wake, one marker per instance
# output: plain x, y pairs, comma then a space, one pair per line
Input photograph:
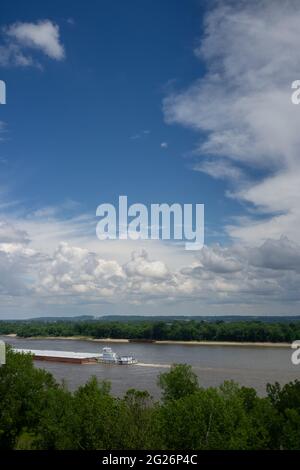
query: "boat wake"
143, 364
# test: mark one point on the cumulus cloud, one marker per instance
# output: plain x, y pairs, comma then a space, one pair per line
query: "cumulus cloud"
140, 265
265, 276
20, 39
219, 260
237, 275
276, 254
242, 110
17, 261
245, 275
74, 270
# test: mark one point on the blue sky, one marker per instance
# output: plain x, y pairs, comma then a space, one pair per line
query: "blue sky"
92, 94
89, 112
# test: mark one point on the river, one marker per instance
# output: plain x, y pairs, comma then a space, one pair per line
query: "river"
249, 366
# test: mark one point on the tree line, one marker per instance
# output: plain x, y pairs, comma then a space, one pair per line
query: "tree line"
38, 413
182, 330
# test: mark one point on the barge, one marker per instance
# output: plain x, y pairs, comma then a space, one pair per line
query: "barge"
106, 357
60, 356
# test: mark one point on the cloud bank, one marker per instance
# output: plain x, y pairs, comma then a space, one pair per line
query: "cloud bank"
261, 279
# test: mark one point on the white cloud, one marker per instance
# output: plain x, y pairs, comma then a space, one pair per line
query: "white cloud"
242, 110
12, 55
219, 169
219, 260
74, 270
140, 265
164, 145
20, 38
140, 135
10, 234
276, 254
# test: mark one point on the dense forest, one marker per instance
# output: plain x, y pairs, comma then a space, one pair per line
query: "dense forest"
38, 413
185, 330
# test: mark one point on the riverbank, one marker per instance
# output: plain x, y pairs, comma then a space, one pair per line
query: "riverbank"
227, 343
72, 338
183, 343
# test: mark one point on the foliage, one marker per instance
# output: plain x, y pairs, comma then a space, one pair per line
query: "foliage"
184, 330
179, 382
23, 392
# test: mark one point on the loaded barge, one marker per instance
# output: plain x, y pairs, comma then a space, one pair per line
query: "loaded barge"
106, 357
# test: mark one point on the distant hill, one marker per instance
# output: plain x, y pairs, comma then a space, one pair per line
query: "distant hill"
164, 318
59, 319
208, 318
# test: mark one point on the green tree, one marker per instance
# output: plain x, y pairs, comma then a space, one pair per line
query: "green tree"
55, 429
205, 420
291, 430
23, 391
179, 382
138, 421
96, 413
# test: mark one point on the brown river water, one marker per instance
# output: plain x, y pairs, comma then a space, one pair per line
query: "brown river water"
249, 366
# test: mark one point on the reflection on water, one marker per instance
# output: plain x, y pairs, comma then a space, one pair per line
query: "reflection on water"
249, 366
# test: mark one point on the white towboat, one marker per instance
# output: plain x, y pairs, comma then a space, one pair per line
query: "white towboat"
110, 357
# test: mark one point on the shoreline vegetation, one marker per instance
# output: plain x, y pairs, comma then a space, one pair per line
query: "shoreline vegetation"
190, 332
167, 342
